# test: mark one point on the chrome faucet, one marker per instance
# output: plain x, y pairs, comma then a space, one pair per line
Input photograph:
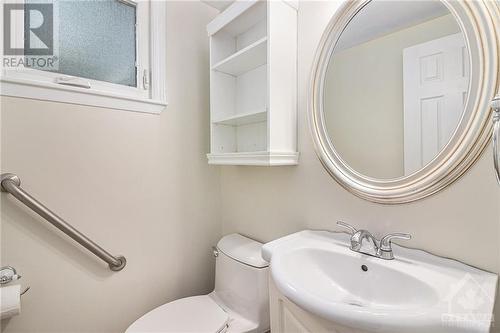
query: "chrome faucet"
382, 249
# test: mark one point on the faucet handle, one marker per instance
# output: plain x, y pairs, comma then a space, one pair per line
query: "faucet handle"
385, 242
385, 248
347, 226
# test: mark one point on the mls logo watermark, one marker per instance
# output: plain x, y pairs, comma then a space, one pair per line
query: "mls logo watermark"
28, 38
470, 305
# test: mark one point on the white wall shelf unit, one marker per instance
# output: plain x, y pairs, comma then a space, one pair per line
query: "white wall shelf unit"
253, 84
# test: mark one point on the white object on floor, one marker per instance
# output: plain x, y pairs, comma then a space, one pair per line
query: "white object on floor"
10, 301
239, 303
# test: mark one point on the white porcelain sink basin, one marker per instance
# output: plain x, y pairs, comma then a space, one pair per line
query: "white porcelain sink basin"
415, 292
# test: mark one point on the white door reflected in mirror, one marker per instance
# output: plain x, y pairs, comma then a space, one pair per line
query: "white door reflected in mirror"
395, 89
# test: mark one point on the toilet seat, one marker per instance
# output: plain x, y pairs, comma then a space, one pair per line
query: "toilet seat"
197, 314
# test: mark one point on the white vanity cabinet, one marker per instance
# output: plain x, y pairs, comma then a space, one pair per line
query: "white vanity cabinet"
253, 84
286, 317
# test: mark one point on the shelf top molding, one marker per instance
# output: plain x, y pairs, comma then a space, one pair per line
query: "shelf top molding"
256, 158
248, 12
235, 10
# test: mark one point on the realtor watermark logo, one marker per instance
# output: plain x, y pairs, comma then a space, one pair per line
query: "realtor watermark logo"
469, 305
28, 38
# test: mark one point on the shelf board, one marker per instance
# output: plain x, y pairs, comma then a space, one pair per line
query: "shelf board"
258, 158
244, 60
243, 119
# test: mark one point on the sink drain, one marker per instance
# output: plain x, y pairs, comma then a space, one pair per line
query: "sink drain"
364, 268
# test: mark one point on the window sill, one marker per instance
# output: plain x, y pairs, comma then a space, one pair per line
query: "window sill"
45, 91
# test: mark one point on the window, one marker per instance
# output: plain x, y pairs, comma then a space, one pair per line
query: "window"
99, 53
98, 40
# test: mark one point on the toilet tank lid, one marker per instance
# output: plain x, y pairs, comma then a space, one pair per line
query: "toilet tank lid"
242, 249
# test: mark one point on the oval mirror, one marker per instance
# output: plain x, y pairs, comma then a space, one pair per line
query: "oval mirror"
400, 90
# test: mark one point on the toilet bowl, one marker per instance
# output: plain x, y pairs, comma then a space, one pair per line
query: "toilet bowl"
238, 304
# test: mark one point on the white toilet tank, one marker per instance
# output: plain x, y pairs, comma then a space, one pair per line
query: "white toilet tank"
241, 280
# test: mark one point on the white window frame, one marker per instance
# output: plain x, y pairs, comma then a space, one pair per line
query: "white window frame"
151, 66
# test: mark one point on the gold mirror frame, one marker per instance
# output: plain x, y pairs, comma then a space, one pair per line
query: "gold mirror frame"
480, 23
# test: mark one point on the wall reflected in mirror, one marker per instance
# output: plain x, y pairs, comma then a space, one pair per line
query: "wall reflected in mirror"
396, 86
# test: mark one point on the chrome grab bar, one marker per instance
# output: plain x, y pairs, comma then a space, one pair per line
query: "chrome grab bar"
495, 105
11, 183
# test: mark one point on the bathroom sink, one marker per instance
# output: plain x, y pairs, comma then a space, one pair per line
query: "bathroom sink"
338, 277
415, 292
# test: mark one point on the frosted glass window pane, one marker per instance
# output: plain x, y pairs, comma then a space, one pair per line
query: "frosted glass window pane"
97, 40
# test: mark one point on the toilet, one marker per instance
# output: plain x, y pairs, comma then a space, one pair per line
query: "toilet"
239, 302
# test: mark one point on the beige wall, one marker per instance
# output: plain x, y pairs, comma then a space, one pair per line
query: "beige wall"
364, 99
461, 222
140, 185
137, 184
